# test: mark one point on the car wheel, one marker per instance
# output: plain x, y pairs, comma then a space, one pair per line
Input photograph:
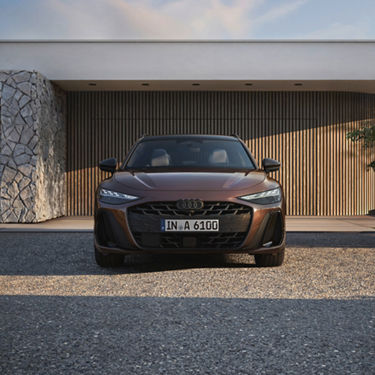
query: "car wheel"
108, 260
270, 260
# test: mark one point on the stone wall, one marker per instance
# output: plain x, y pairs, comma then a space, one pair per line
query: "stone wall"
32, 148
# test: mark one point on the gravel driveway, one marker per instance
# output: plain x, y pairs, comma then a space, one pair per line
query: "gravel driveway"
61, 314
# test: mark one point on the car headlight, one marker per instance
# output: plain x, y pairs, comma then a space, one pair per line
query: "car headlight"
265, 197
113, 197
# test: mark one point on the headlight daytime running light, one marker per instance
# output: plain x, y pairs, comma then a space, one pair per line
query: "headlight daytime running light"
265, 197
114, 197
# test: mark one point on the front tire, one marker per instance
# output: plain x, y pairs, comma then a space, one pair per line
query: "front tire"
270, 260
108, 260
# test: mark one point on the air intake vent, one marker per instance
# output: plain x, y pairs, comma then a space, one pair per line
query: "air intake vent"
273, 233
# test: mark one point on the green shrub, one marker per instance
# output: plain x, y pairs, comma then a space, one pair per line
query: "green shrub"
366, 135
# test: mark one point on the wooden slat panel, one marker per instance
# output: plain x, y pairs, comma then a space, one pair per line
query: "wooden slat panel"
322, 173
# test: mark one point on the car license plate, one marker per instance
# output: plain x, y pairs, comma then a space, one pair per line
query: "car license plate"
169, 225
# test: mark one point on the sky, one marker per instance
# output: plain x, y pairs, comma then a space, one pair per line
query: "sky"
187, 19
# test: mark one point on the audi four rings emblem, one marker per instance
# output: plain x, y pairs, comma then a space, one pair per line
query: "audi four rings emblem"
189, 204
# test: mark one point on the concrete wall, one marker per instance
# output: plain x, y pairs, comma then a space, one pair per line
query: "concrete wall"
32, 148
70, 61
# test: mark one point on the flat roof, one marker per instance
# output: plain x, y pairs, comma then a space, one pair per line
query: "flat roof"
187, 40
235, 65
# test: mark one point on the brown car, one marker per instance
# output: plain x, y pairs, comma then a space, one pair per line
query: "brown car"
189, 194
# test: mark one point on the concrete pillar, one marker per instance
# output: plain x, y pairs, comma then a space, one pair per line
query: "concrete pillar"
32, 148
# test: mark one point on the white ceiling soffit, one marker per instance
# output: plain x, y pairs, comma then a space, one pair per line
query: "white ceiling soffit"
217, 85
214, 65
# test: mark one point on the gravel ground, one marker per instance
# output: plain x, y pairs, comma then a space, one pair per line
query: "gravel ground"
61, 314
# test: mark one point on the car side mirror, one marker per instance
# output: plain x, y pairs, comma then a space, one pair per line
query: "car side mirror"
108, 165
270, 165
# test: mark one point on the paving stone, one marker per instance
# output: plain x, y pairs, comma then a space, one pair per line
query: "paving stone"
24, 100
25, 87
11, 144
33, 78
17, 95
3, 76
18, 205
25, 181
30, 217
22, 159
34, 160
4, 159
20, 128
26, 136
13, 136
26, 193
19, 120
30, 121
22, 77
7, 93
6, 150
13, 107
26, 111
19, 177
4, 193
5, 120
8, 175
26, 169
33, 142
18, 150
12, 164
11, 218
11, 82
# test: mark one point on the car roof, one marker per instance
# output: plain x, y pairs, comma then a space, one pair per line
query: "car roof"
190, 136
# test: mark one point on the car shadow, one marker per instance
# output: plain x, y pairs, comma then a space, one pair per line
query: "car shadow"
72, 254
171, 262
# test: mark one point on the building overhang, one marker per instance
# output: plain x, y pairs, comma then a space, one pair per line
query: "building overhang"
197, 65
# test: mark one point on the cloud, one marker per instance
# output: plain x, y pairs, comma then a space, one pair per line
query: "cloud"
279, 11
132, 19
147, 19
340, 31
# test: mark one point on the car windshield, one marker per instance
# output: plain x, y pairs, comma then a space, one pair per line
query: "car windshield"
190, 153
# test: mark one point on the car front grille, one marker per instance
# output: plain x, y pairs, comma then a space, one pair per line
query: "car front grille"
144, 222
196, 240
167, 209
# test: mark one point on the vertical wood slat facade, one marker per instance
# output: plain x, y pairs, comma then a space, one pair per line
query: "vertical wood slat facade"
322, 173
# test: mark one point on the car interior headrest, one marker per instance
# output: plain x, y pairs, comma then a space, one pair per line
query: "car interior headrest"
218, 156
160, 158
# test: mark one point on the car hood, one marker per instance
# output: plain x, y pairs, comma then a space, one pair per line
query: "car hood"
203, 181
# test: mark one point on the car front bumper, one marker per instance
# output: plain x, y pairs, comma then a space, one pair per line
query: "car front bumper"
262, 231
